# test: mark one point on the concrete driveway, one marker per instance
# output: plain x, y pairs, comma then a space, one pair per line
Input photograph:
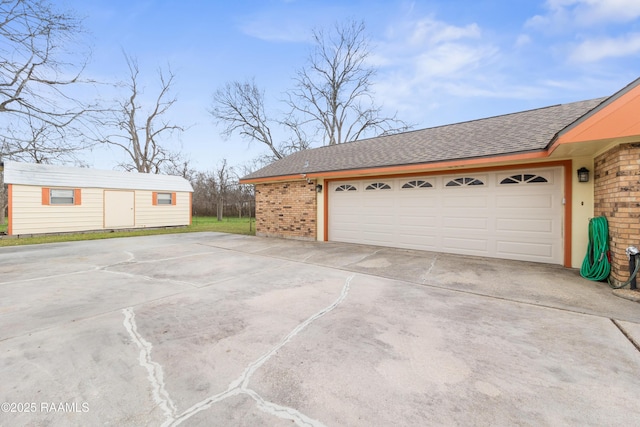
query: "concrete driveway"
214, 329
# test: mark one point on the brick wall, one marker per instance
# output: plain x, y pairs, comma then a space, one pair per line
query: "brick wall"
617, 197
286, 210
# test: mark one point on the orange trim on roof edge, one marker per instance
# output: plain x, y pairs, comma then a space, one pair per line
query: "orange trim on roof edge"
389, 170
616, 117
294, 177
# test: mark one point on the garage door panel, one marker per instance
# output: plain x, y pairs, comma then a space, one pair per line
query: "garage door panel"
464, 201
418, 230
344, 235
524, 224
530, 201
542, 250
465, 244
378, 221
417, 215
376, 237
379, 209
466, 223
379, 199
347, 218
423, 245
416, 218
344, 210
464, 212
522, 220
420, 202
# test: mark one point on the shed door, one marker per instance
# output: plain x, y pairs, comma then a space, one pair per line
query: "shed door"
119, 209
514, 214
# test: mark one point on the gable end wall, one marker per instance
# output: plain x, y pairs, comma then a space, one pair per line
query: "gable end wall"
617, 197
287, 210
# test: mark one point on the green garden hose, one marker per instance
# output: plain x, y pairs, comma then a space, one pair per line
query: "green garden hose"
596, 264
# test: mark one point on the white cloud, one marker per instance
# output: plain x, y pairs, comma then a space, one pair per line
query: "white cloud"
599, 11
419, 58
523, 40
450, 60
430, 47
264, 28
566, 14
597, 49
429, 31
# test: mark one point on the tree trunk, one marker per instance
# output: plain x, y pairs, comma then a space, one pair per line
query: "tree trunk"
220, 208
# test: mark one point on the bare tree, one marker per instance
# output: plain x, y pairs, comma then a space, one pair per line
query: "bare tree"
245, 193
181, 167
204, 193
223, 182
139, 132
240, 107
40, 64
333, 92
332, 99
41, 143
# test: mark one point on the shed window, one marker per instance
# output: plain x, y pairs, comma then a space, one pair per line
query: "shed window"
524, 178
378, 186
463, 182
417, 184
345, 187
61, 197
163, 198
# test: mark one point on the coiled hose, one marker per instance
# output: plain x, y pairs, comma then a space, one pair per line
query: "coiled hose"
596, 264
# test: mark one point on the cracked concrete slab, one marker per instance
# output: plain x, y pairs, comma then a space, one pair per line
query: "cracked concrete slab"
215, 329
632, 330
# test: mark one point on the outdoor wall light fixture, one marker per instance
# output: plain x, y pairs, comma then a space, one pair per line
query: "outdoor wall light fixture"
319, 188
583, 174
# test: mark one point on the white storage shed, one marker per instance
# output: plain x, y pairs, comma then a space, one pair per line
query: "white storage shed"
58, 199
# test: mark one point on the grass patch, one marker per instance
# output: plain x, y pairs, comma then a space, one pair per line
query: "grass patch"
227, 225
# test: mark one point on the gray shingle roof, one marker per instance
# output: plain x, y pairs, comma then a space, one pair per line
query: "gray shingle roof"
522, 132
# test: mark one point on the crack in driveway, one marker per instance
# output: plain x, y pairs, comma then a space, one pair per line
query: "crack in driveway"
236, 387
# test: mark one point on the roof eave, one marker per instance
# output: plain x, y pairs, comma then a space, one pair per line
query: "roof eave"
409, 168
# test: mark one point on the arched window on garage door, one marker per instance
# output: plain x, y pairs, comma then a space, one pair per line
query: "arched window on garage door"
524, 178
418, 183
346, 187
464, 182
378, 186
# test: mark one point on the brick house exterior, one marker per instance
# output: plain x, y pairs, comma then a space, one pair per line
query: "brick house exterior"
286, 210
617, 197
602, 135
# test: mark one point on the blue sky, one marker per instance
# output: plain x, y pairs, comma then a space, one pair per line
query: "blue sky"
438, 62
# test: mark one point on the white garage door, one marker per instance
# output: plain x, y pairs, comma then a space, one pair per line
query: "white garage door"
509, 214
